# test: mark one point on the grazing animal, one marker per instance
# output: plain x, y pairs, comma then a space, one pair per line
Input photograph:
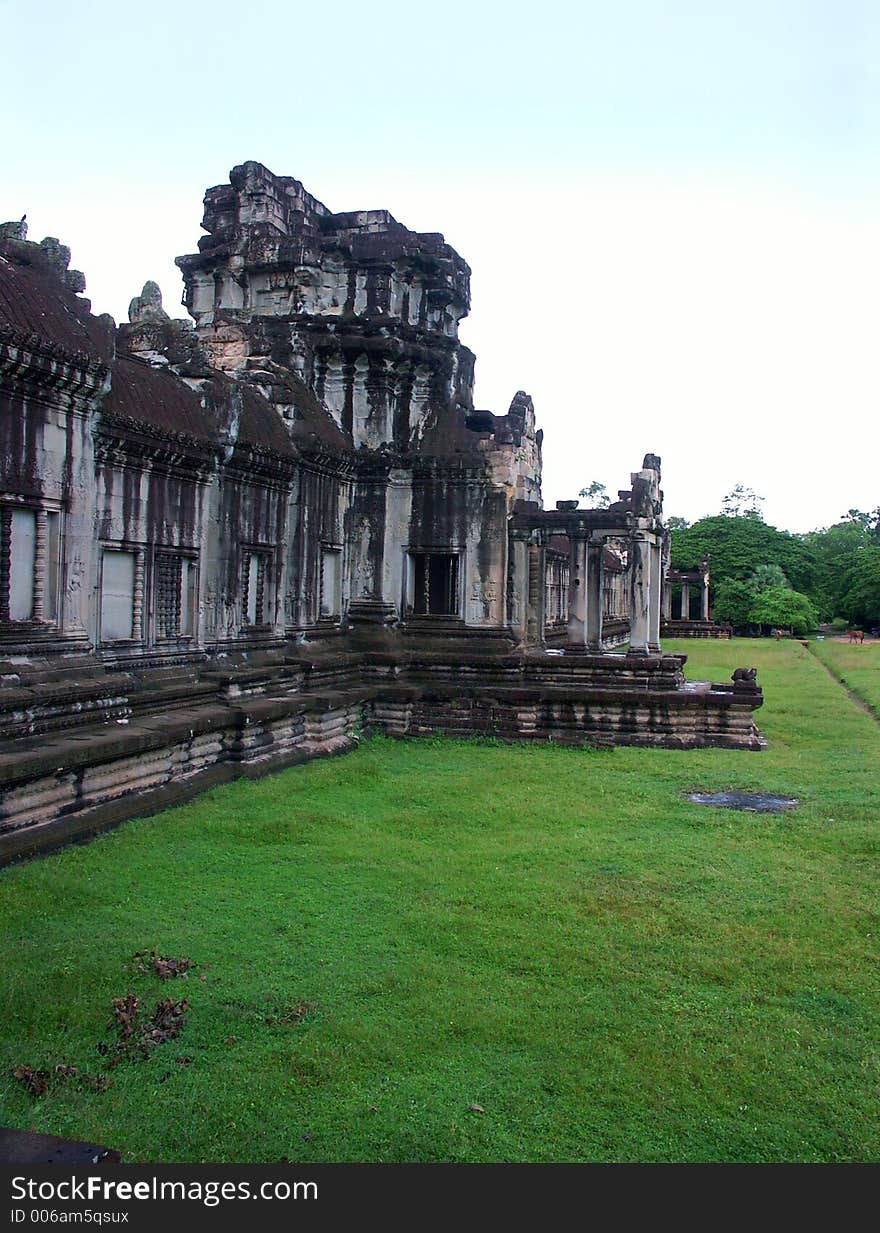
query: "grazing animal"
856, 635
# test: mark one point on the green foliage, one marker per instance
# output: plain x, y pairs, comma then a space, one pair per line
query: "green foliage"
838, 568
733, 603
768, 576
596, 494
847, 559
677, 524
609, 971
869, 521
861, 578
740, 546
783, 608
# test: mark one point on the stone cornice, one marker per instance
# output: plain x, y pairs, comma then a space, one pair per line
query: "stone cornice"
27, 361
128, 442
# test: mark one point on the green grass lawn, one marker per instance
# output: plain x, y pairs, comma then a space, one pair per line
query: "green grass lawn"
554, 935
857, 666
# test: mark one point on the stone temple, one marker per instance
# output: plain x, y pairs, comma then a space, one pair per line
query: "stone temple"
231, 544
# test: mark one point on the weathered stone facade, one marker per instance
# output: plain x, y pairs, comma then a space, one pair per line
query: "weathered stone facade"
232, 543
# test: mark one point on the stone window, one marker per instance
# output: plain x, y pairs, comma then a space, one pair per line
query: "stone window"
613, 598
118, 570
608, 595
556, 589
256, 587
331, 559
433, 578
175, 588
29, 551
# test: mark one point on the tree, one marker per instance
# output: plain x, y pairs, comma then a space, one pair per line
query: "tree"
843, 554
677, 524
596, 493
764, 576
742, 502
860, 600
733, 603
739, 546
869, 522
783, 608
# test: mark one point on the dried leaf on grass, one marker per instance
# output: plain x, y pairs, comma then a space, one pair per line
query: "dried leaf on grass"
163, 966
126, 1011
36, 1081
97, 1083
293, 1014
168, 1021
137, 1035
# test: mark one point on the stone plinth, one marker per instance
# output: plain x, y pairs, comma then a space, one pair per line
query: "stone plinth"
155, 739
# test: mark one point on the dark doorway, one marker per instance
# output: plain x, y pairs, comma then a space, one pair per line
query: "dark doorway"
435, 583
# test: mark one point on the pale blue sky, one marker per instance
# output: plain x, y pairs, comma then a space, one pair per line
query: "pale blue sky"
672, 210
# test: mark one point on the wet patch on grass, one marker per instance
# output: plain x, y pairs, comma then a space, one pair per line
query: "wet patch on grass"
750, 802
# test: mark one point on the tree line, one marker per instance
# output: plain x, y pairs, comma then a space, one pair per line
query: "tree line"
763, 577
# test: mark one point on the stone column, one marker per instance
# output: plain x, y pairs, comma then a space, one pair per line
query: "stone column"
656, 584
537, 585
685, 601
137, 611
39, 566
5, 560
639, 592
593, 606
705, 608
577, 590
519, 585
667, 600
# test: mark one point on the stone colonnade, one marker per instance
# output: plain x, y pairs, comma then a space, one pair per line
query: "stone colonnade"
585, 615
698, 579
635, 520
